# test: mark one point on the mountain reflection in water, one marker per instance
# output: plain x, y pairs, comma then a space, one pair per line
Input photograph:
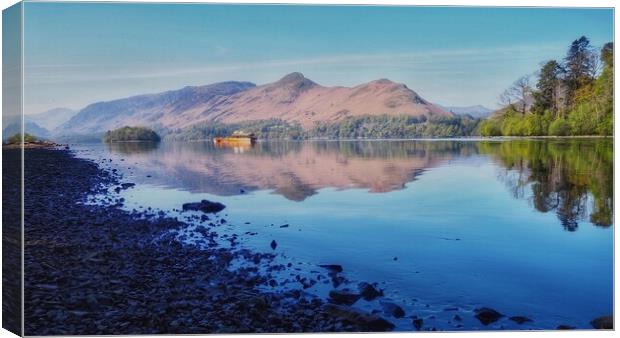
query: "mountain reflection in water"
572, 178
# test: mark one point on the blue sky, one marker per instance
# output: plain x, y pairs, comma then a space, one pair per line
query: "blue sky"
76, 54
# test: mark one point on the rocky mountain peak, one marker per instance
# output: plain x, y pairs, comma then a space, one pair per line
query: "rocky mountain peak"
296, 80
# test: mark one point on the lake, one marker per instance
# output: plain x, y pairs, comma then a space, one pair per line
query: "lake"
443, 226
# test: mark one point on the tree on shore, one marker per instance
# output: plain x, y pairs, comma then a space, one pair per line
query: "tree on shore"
548, 96
574, 97
580, 64
518, 95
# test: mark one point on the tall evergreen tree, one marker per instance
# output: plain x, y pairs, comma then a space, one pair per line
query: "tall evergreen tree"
607, 54
580, 64
548, 88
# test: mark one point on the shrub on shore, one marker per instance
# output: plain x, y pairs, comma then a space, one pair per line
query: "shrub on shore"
17, 138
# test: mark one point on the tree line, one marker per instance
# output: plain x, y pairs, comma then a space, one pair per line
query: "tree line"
385, 126
573, 96
382, 126
127, 133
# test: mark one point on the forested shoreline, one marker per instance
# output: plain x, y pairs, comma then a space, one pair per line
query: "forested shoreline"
372, 127
571, 97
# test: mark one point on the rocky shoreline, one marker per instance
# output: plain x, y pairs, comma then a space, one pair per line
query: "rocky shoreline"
99, 269
96, 269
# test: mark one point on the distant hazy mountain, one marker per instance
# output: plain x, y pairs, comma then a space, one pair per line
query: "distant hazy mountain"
477, 111
52, 118
293, 98
30, 128
167, 109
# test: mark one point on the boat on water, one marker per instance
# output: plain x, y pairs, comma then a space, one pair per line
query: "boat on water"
237, 138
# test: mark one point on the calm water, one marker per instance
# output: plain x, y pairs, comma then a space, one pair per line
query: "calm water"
522, 226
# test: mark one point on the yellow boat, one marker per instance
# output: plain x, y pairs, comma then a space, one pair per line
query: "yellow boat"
237, 138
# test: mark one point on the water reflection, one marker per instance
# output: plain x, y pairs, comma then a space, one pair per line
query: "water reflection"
295, 170
572, 178
129, 148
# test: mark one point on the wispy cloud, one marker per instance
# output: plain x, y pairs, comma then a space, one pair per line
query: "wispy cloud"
427, 62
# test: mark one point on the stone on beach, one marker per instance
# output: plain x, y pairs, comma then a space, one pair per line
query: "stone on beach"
205, 206
343, 297
368, 322
520, 319
368, 291
487, 315
417, 323
332, 267
392, 309
603, 323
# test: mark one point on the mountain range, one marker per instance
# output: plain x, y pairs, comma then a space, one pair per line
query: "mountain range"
294, 99
31, 128
51, 119
40, 125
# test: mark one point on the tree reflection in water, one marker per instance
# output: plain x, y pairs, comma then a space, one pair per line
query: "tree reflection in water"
573, 178
129, 148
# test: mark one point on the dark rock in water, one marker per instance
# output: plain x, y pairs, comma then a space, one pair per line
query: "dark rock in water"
332, 267
368, 322
417, 323
336, 280
242, 191
395, 258
204, 206
343, 297
603, 323
520, 319
127, 185
368, 291
284, 226
393, 309
487, 315
274, 244
565, 327
307, 283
